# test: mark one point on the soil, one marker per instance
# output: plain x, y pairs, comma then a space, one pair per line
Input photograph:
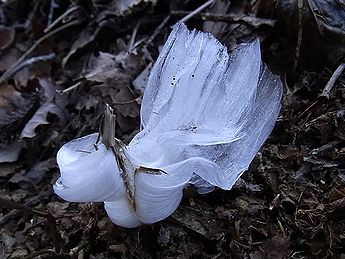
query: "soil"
61, 61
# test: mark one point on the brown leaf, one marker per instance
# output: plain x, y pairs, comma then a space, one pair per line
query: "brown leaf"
10, 153
102, 67
15, 111
52, 102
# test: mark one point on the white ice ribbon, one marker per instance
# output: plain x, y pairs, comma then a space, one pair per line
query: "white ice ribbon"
204, 114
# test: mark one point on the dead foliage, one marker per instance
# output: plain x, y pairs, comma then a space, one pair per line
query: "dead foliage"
61, 61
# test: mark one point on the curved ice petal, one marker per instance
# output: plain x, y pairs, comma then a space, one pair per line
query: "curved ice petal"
158, 196
87, 174
121, 213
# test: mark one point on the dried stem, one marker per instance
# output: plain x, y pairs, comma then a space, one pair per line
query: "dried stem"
158, 30
330, 84
108, 127
32, 61
299, 35
69, 88
197, 10
230, 18
50, 219
134, 35
9, 71
60, 18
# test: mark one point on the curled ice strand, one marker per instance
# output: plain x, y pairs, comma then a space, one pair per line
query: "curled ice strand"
204, 115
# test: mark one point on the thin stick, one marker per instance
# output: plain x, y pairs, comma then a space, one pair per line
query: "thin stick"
51, 12
299, 35
69, 88
330, 84
38, 42
197, 10
158, 30
250, 20
50, 219
134, 35
128, 102
60, 18
31, 61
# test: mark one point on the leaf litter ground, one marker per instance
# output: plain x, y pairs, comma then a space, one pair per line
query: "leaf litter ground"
60, 62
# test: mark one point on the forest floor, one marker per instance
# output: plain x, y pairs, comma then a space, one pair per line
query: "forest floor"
61, 61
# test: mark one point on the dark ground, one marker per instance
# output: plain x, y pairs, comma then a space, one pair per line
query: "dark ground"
290, 204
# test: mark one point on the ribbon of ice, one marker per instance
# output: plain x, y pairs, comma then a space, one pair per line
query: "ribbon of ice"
204, 116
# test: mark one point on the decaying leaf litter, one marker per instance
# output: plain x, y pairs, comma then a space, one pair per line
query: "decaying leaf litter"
292, 197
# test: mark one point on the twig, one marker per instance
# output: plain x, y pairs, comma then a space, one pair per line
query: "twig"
38, 42
32, 61
197, 10
51, 12
69, 88
299, 35
60, 18
50, 219
134, 35
230, 18
128, 102
157, 30
5, 218
330, 84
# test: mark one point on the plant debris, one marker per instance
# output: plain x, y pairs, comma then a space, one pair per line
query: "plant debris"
61, 61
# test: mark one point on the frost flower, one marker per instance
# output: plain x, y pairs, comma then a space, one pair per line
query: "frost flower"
204, 116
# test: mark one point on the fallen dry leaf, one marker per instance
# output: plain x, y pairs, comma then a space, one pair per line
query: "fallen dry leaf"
15, 110
51, 102
10, 153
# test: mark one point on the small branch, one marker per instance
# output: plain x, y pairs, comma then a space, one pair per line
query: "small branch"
9, 71
134, 35
330, 84
158, 30
197, 10
299, 35
69, 88
128, 102
230, 18
32, 61
50, 219
60, 18
51, 11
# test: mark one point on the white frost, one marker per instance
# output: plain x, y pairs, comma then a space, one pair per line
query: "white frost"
204, 115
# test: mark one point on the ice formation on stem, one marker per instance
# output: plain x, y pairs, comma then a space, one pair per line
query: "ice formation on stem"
204, 116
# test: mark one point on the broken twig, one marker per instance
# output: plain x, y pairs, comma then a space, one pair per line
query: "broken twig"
197, 10
157, 30
330, 84
32, 61
60, 18
9, 71
299, 35
230, 18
